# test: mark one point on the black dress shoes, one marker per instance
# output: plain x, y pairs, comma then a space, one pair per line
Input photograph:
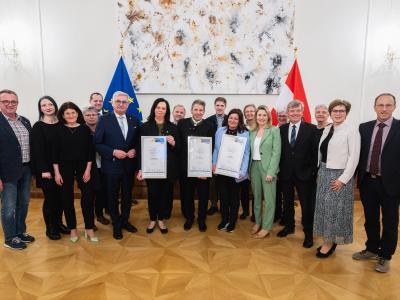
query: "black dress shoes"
243, 216
285, 231
61, 228
53, 235
103, 220
319, 254
117, 233
308, 241
212, 210
188, 225
202, 226
129, 227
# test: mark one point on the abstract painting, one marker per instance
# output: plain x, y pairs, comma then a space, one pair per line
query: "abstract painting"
207, 46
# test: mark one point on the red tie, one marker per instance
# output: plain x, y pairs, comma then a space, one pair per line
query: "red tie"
376, 151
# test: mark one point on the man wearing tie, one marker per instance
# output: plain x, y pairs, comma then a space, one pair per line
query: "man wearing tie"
297, 167
116, 138
378, 182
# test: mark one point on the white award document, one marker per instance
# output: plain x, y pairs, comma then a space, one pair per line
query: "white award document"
230, 155
154, 157
199, 156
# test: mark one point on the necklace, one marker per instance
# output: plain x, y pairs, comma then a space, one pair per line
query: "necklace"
72, 129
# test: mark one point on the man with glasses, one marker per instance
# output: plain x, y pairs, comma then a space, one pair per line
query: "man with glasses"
378, 182
15, 171
117, 137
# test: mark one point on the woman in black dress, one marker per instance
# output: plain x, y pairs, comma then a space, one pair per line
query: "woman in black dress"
72, 156
43, 135
158, 124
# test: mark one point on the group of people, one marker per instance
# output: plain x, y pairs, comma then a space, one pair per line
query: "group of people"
102, 152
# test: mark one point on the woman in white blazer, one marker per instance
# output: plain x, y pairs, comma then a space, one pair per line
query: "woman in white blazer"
339, 151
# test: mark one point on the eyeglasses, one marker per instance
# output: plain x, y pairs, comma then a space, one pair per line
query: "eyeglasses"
382, 106
7, 102
119, 102
338, 111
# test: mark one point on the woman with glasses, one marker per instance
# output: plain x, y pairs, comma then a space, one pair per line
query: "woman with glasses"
339, 151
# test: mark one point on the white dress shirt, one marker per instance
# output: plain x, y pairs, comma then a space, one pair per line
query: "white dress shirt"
291, 128
256, 148
124, 121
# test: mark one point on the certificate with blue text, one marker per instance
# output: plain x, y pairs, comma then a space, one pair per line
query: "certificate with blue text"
154, 157
199, 156
230, 155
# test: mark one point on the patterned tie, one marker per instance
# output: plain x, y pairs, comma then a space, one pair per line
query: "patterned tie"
376, 151
293, 136
121, 124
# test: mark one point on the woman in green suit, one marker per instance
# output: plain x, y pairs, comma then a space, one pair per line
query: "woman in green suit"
265, 143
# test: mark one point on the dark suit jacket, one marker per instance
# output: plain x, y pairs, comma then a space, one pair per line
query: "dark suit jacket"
390, 156
185, 129
108, 137
10, 150
213, 119
150, 129
301, 160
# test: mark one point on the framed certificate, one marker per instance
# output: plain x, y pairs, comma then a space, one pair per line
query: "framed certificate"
230, 155
199, 156
154, 157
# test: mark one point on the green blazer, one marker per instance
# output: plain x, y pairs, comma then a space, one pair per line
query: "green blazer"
270, 150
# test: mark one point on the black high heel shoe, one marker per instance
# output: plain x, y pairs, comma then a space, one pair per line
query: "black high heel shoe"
319, 254
163, 230
151, 229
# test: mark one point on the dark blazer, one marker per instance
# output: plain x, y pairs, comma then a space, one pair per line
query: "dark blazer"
150, 129
108, 137
301, 160
390, 156
10, 150
213, 119
185, 129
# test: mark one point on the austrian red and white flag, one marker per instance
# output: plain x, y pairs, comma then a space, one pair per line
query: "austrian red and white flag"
292, 89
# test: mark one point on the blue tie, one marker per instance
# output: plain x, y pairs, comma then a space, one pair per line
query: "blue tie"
293, 136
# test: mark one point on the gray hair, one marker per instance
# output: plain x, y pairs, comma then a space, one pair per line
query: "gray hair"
295, 104
117, 93
179, 105
323, 106
88, 109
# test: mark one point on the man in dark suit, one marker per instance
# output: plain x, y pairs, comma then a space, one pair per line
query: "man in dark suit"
297, 167
15, 171
194, 126
379, 182
116, 138
219, 120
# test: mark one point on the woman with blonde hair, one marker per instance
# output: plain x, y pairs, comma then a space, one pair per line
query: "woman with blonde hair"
265, 143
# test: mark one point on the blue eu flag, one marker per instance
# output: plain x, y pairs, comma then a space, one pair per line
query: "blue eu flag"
121, 82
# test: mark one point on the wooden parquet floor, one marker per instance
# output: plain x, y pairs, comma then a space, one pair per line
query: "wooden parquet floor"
189, 265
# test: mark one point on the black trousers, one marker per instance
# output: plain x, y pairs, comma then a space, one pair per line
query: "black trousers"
190, 184
52, 204
115, 183
305, 191
169, 200
157, 194
215, 194
279, 211
100, 190
229, 189
69, 170
374, 199
245, 197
